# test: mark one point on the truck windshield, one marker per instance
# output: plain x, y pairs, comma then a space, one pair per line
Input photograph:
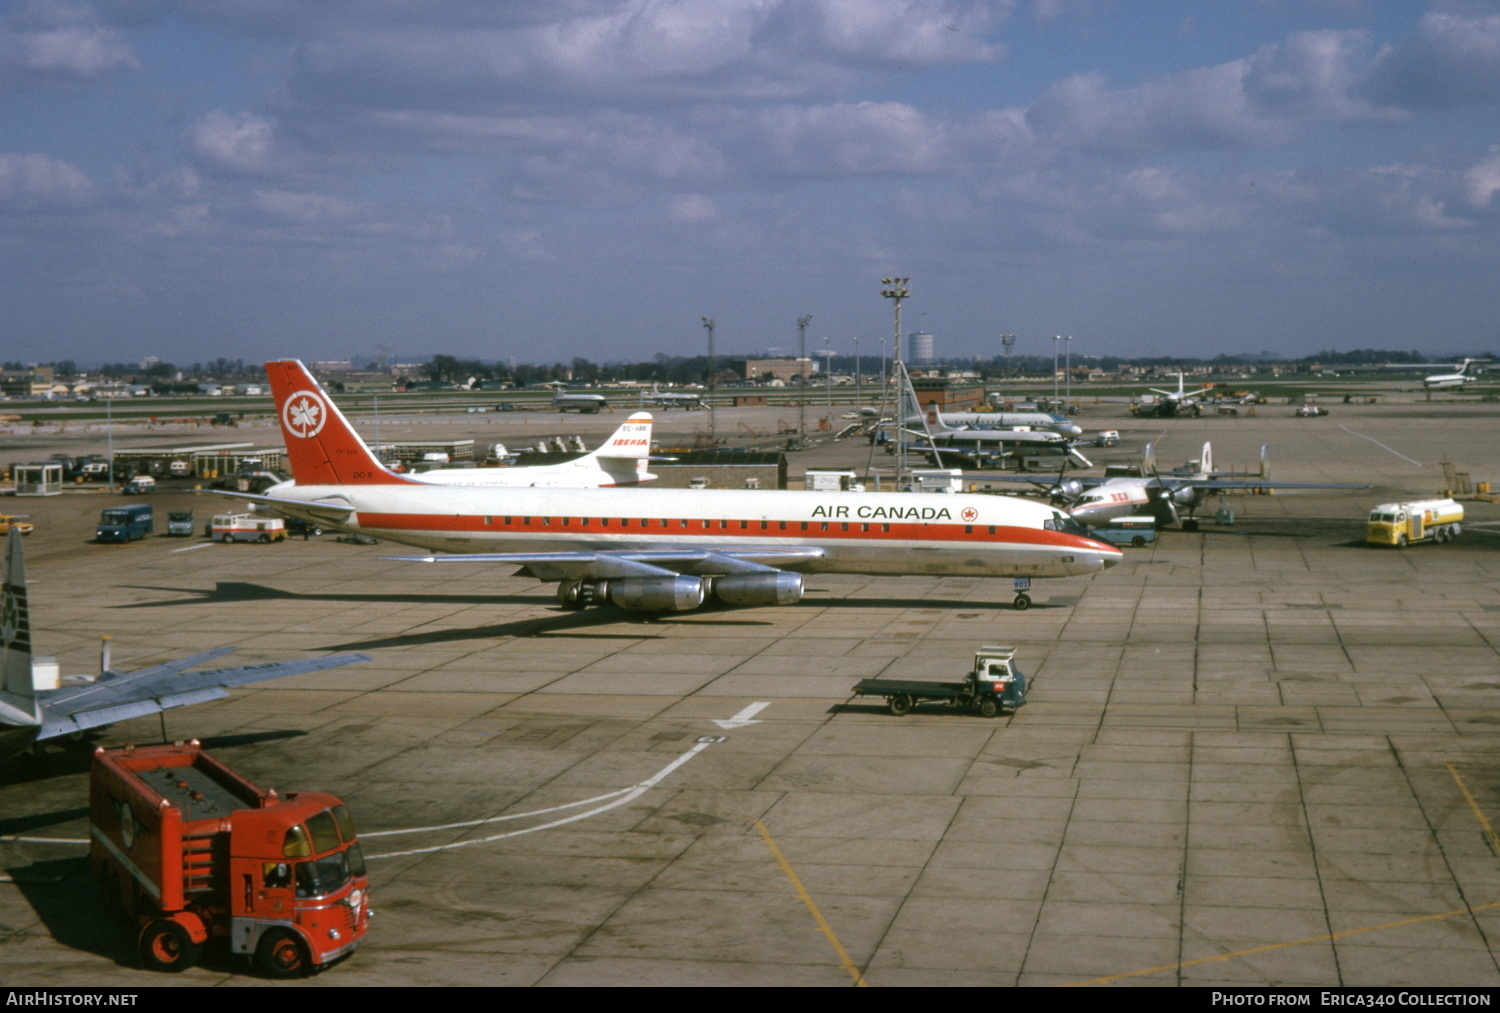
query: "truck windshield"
322, 876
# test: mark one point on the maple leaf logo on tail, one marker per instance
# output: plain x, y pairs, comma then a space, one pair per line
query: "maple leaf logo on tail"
303, 415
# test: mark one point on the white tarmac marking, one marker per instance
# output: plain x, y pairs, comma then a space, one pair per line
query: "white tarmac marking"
200, 545
620, 798
1382, 446
742, 719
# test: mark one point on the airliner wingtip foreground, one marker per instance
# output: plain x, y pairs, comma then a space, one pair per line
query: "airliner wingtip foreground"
29, 715
666, 549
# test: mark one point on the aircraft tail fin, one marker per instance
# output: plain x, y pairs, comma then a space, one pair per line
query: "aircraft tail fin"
1206, 463
624, 454
321, 445
17, 692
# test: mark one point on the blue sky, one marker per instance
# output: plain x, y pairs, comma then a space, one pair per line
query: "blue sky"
543, 179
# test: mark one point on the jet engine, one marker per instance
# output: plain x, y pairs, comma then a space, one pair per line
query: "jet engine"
779, 588
653, 594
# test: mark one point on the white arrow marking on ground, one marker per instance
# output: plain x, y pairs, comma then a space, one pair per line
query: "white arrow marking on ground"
743, 718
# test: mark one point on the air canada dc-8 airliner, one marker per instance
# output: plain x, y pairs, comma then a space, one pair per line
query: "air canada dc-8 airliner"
663, 550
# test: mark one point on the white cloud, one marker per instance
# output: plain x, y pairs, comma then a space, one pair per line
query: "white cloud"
30, 179
239, 143
691, 209
1453, 59
1483, 180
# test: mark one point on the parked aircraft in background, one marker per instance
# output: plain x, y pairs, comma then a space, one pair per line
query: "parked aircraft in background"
1096, 501
1460, 378
674, 399
663, 549
1170, 403
589, 404
620, 460
1041, 421
28, 715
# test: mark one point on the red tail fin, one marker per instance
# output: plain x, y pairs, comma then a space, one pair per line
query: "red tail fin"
321, 445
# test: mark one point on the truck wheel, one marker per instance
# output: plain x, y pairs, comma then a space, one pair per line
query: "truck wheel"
1022, 602
166, 946
281, 955
265, 539
1138, 542
989, 707
226, 538
1400, 541
900, 705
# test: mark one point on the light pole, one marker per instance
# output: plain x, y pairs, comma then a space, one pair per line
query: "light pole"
1068, 372
1008, 341
828, 371
895, 290
708, 325
856, 370
1055, 339
802, 323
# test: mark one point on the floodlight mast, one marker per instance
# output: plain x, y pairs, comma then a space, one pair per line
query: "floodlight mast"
802, 323
896, 290
708, 325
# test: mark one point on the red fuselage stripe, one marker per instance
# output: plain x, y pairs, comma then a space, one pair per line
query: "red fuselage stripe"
879, 531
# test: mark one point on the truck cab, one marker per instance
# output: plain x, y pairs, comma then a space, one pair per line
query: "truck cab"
125, 523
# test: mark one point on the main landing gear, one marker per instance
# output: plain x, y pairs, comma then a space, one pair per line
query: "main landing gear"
1022, 600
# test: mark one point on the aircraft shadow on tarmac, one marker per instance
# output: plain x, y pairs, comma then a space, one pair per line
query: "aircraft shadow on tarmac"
66, 756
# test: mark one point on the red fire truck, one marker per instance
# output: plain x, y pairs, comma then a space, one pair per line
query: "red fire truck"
193, 852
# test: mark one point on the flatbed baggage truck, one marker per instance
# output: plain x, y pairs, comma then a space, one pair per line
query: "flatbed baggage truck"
193, 853
994, 685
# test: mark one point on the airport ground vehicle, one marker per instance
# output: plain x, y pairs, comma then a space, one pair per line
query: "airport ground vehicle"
8, 521
1310, 411
246, 528
180, 523
140, 485
195, 852
994, 685
1107, 438
125, 523
1400, 524
1136, 530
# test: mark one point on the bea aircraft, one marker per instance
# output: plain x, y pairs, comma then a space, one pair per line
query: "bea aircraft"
663, 550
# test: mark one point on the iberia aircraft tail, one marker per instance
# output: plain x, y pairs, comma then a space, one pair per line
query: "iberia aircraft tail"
322, 447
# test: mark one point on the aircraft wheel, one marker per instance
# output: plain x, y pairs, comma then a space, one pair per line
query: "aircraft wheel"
166, 946
281, 955
989, 707
1138, 541
1022, 602
570, 594
900, 705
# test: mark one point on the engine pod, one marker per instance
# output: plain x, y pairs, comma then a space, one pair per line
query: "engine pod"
779, 588
657, 594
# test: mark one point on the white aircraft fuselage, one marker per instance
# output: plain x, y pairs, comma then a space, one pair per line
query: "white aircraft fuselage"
868, 533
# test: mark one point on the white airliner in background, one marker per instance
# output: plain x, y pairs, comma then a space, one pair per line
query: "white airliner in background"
663, 549
1462, 377
620, 460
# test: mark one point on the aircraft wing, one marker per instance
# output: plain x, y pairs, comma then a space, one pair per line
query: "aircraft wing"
602, 563
1212, 483
117, 696
332, 512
